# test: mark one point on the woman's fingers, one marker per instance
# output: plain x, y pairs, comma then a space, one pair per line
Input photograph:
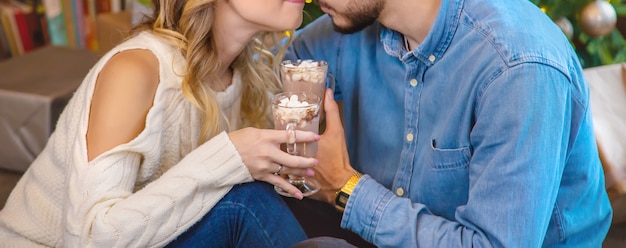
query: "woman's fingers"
292, 162
281, 136
303, 172
261, 153
280, 181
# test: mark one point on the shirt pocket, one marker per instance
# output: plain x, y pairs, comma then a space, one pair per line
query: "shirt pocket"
444, 183
448, 158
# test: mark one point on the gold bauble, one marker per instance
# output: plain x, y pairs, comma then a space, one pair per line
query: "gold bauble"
597, 18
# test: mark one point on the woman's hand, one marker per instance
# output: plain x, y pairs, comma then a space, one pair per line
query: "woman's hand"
261, 153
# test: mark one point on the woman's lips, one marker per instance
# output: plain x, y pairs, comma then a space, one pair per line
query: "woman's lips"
324, 8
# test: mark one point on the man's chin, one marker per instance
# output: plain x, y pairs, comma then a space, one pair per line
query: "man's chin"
347, 29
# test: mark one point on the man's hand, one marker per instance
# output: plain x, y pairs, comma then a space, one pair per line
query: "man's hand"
334, 169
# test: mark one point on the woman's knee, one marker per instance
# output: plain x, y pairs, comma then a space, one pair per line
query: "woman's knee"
256, 210
253, 193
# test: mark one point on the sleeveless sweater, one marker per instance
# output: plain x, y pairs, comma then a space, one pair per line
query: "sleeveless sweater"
140, 194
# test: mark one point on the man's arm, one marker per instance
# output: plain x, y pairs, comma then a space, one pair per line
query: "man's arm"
519, 151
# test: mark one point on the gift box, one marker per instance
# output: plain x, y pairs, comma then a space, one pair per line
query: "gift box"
607, 86
34, 89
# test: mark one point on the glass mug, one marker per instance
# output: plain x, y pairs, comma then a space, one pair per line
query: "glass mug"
297, 111
307, 76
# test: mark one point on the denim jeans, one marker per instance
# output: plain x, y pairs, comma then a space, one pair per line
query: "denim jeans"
250, 215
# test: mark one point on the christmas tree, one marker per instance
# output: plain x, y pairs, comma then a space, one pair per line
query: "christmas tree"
590, 25
311, 12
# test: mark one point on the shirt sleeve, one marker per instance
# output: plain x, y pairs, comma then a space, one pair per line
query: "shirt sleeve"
520, 144
103, 211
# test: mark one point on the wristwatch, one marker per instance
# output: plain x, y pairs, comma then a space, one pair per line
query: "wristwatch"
342, 196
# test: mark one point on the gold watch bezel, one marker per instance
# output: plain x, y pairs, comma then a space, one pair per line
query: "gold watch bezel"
343, 195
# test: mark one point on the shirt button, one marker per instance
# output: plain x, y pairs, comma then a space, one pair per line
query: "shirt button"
413, 82
400, 192
409, 137
431, 58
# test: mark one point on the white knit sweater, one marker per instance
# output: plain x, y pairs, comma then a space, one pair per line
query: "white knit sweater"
140, 194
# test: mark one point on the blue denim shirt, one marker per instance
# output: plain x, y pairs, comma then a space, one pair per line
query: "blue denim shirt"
481, 136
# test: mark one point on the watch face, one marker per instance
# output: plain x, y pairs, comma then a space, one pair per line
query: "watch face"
342, 199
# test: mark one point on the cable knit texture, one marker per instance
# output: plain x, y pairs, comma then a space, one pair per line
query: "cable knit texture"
140, 194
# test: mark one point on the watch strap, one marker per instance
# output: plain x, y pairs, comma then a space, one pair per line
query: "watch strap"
342, 196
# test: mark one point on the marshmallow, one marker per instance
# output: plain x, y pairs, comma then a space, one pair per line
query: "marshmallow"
293, 109
304, 70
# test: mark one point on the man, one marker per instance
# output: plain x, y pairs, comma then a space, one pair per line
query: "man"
467, 124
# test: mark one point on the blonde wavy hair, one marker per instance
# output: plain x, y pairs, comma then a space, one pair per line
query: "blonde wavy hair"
188, 24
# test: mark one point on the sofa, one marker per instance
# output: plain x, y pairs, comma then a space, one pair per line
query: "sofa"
608, 103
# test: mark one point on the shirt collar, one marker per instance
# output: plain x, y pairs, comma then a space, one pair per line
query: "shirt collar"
437, 40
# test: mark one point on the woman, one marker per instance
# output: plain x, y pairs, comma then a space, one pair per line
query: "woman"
153, 140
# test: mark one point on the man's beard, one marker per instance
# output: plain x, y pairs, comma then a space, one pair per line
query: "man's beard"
360, 16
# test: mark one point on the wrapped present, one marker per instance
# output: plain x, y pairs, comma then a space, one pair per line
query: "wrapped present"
608, 105
34, 89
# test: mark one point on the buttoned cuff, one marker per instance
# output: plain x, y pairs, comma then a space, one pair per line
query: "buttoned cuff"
365, 207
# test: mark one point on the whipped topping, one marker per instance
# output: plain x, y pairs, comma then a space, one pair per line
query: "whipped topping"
304, 70
293, 109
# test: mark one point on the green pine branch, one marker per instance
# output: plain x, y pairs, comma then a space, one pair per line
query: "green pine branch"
592, 51
311, 12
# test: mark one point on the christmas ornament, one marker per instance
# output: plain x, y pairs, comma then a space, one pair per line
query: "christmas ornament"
566, 26
597, 18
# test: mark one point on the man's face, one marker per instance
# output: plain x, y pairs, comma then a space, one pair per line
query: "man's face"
351, 16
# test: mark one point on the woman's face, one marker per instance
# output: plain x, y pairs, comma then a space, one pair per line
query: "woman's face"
270, 15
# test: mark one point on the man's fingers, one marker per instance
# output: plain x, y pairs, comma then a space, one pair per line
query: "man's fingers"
332, 111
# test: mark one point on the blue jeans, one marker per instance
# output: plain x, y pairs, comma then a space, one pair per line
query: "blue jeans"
250, 215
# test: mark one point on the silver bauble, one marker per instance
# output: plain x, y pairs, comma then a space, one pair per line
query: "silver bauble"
566, 26
597, 18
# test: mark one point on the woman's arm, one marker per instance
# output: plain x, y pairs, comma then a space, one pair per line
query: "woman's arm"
123, 94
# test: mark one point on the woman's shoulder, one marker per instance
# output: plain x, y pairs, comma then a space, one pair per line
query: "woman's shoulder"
145, 52
146, 40
123, 95
165, 52
132, 68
